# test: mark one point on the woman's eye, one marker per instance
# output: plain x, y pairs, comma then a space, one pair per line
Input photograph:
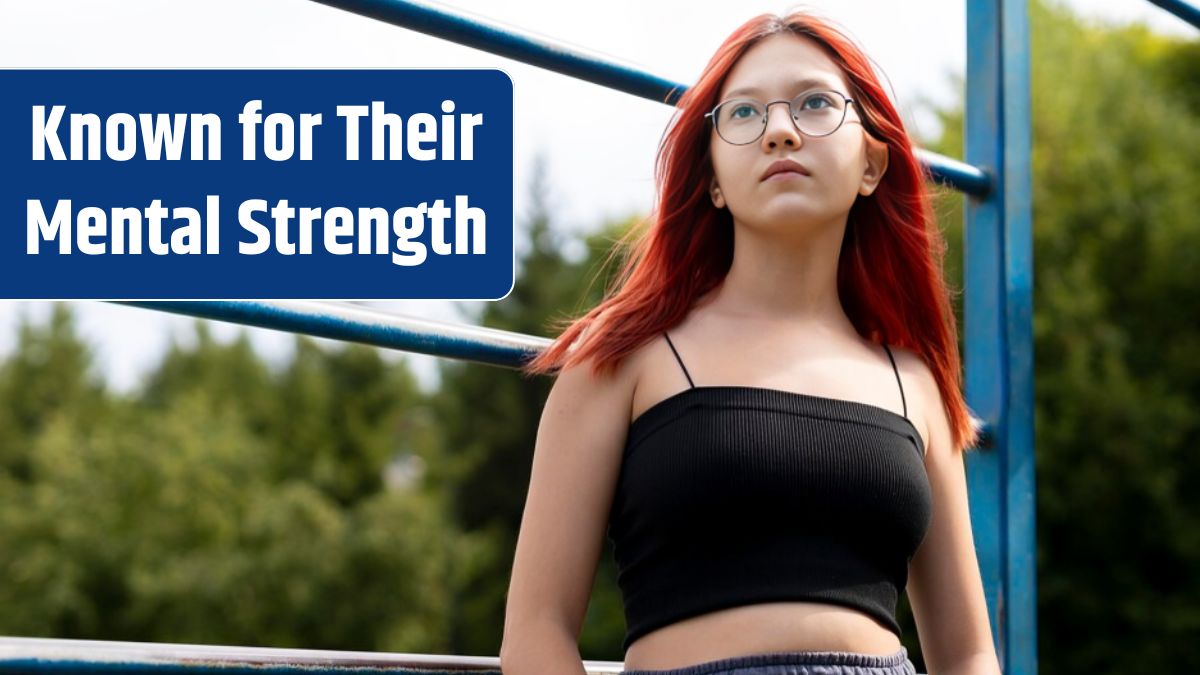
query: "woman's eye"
744, 111
815, 102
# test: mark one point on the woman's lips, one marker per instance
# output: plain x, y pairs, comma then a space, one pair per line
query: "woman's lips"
783, 175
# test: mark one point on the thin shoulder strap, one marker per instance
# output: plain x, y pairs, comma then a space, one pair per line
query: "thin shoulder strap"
685, 370
897, 371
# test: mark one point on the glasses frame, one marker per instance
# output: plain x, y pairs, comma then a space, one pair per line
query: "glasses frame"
712, 115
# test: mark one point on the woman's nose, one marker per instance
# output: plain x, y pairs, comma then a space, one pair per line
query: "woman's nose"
780, 127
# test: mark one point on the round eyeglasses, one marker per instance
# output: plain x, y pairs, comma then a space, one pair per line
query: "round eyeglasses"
741, 121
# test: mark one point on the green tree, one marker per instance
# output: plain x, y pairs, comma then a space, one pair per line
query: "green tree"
340, 415
50, 372
171, 518
233, 373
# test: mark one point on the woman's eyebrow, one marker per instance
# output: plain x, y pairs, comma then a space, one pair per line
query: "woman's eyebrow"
807, 82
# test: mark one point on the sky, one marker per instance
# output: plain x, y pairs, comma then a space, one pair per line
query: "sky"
598, 144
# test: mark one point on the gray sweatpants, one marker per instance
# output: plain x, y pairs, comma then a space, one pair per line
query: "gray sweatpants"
797, 663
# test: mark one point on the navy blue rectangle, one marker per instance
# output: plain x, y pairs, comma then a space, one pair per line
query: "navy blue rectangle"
478, 185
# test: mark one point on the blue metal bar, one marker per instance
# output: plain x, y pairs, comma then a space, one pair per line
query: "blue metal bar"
1182, 9
353, 323
33, 655
982, 309
495, 39
999, 325
959, 175
432, 20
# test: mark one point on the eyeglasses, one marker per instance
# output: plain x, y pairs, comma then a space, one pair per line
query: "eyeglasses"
741, 121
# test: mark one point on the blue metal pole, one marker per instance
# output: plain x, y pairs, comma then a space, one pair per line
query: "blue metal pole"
1182, 9
998, 324
431, 20
1020, 480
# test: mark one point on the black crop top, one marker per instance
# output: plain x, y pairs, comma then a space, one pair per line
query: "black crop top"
735, 495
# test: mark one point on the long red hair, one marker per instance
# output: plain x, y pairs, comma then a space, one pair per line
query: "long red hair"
890, 269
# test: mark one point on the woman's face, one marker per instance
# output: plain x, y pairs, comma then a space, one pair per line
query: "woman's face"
839, 166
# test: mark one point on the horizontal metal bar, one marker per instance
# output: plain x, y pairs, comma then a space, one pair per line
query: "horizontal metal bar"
1182, 9
496, 39
26, 655
959, 175
353, 323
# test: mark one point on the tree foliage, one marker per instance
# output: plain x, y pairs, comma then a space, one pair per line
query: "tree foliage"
222, 503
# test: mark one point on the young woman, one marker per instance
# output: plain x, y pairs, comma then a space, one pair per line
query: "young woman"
764, 414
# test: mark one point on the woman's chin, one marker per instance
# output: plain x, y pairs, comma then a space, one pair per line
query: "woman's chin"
795, 213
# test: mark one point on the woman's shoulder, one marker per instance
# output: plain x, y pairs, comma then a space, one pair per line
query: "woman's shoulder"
913, 368
925, 406
615, 383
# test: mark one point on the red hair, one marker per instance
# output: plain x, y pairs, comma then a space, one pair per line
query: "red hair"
890, 269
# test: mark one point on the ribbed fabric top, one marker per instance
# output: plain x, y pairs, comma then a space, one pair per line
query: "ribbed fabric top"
735, 495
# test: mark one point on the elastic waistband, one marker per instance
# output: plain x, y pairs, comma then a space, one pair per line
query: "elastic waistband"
804, 658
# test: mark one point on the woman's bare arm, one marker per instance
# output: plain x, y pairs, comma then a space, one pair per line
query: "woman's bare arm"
576, 460
945, 590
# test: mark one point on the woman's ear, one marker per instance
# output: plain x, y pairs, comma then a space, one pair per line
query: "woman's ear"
877, 162
714, 191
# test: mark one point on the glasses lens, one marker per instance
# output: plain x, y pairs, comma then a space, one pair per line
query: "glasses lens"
740, 121
819, 113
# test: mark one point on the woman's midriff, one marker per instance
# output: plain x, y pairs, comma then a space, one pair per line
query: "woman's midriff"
760, 628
